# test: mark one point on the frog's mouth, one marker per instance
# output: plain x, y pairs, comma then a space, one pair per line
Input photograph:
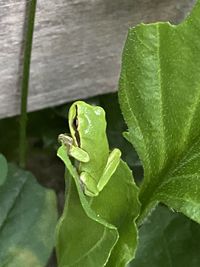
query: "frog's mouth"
75, 125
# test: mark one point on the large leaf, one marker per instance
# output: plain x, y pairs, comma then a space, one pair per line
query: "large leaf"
168, 239
159, 96
3, 169
28, 217
98, 231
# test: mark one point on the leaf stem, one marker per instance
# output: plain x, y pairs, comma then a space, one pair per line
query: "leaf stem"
28, 38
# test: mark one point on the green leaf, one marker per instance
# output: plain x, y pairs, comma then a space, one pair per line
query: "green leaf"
98, 231
159, 96
3, 169
83, 238
118, 204
168, 239
28, 217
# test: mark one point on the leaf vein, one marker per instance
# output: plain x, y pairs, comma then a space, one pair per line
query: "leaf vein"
91, 249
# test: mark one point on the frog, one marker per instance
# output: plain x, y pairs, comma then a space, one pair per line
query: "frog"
88, 145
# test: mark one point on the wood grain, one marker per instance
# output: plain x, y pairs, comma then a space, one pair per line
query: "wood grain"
77, 46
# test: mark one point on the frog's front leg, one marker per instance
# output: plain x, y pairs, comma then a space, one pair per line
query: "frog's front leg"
73, 150
78, 153
111, 166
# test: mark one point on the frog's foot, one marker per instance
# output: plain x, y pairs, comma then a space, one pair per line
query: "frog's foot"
111, 166
90, 185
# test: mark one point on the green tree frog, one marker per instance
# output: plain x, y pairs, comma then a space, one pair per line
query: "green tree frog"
89, 146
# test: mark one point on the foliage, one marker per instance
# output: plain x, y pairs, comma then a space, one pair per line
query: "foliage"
28, 215
168, 239
159, 97
4, 169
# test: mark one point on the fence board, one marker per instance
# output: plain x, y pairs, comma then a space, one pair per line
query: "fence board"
77, 46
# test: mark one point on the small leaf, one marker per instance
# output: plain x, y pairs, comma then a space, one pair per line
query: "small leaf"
168, 239
160, 99
83, 238
98, 231
28, 217
82, 241
3, 169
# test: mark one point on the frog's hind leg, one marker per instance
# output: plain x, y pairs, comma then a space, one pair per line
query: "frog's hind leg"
111, 166
90, 185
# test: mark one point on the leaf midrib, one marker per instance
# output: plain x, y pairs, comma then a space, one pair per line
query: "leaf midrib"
91, 249
163, 177
147, 180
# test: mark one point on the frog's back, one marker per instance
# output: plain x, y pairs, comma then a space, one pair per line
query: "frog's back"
92, 130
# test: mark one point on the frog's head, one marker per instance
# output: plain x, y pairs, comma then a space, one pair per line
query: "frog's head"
84, 118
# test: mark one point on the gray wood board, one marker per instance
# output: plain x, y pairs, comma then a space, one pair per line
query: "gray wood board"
77, 46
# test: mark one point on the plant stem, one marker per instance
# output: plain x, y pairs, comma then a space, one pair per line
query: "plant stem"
28, 37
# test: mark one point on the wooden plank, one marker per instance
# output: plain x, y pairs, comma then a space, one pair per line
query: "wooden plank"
77, 46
